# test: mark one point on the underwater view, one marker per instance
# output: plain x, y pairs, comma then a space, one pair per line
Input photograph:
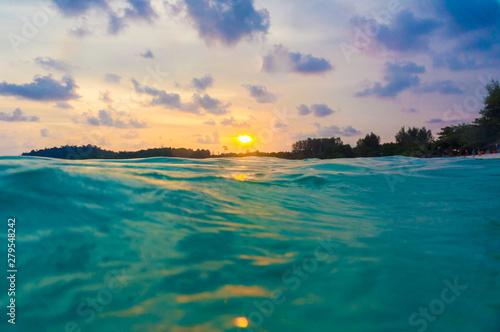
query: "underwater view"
254, 244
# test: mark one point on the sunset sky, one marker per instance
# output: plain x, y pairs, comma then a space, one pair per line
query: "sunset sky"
127, 75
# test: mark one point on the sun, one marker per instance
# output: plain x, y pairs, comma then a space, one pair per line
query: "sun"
244, 139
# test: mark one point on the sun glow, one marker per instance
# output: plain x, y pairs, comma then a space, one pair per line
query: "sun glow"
244, 139
241, 322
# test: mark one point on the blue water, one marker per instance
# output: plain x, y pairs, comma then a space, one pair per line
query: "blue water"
164, 244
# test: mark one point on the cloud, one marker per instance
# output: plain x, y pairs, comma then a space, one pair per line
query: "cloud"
209, 104
115, 24
147, 54
145, 89
138, 10
405, 76
135, 11
104, 96
64, 105
225, 21
435, 121
80, 32
104, 119
209, 122
260, 94
469, 15
49, 63
209, 140
463, 58
82, 29
138, 124
410, 110
329, 131
42, 88
173, 101
398, 77
332, 131
112, 78
475, 38
170, 100
79, 7
446, 87
441, 121
233, 123
407, 33
202, 83
404, 33
474, 26
161, 97
47, 133
319, 110
280, 59
458, 35
17, 115
132, 134
108, 118
455, 62
303, 110
469, 29
280, 125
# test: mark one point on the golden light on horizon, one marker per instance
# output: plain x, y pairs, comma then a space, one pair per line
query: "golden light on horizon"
244, 139
241, 322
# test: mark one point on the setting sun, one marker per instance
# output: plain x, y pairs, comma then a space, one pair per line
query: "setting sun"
245, 139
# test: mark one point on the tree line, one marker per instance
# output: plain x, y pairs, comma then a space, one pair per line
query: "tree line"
484, 132
94, 152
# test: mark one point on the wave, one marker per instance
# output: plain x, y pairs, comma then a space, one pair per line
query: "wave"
205, 241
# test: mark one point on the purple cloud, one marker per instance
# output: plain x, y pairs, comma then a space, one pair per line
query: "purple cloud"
319, 110
17, 115
280, 59
43, 88
260, 94
227, 21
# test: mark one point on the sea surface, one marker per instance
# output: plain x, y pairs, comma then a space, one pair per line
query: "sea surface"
166, 244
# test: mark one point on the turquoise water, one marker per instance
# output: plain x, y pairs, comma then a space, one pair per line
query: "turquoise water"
387, 244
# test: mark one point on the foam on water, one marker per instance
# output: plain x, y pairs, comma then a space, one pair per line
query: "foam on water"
339, 245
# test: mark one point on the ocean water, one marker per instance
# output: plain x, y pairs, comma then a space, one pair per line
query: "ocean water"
165, 244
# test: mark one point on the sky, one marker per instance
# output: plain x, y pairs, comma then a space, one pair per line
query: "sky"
135, 74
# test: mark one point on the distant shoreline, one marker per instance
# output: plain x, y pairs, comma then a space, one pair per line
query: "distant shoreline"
332, 148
